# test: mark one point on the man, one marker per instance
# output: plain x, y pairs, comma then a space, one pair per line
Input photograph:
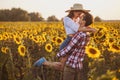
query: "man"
76, 52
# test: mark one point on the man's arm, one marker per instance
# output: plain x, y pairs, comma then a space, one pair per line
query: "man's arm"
75, 39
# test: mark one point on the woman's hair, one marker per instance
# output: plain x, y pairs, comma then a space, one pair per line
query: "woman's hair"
71, 13
88, 19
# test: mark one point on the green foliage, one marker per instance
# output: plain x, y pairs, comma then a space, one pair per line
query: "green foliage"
97, 19
35, 17
17, 14
52, 19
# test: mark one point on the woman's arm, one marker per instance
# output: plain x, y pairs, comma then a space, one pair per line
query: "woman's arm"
71, 24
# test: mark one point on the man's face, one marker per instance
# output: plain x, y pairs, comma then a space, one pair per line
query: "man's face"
82, 21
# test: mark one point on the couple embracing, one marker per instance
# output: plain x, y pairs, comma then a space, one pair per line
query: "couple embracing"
72, 50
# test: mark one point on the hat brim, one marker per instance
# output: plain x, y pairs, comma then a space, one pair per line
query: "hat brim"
78, 10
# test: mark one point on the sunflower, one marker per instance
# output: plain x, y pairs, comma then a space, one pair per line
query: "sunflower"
43, 38
10, 35
100, 34
58, 40
30, 36
25, 34
92, 52
35, 32
35, 39
5, 34
114, 47
114, 78
1, 37
48, 47
111, 40
44, 33
17, 39
5, 49
21, 50
53, 39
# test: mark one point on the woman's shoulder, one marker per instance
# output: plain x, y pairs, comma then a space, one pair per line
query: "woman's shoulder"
66, 18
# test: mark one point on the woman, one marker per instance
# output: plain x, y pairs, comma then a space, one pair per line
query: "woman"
71, 23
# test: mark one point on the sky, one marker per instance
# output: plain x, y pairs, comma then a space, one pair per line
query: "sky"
105, 9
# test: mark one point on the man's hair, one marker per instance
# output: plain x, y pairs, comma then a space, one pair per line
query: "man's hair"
88, 19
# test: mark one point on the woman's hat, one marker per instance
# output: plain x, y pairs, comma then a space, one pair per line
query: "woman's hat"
77, 7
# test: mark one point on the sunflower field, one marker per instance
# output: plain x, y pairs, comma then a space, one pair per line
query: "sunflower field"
22, 43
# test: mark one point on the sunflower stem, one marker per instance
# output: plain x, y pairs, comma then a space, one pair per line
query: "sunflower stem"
12, 67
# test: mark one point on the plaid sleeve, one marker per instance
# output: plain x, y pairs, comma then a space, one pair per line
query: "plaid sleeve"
71, 44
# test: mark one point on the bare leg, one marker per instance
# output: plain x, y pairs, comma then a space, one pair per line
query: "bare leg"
56, 65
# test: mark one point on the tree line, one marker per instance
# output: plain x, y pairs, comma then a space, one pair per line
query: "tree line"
18, 14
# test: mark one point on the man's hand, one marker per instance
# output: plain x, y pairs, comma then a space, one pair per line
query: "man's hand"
93, 30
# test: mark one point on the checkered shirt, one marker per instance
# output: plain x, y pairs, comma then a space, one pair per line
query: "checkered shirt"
76, 50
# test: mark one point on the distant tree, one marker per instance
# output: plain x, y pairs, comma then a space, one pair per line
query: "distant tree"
5, 15
52, 18
18, 14
97, 19
35, 17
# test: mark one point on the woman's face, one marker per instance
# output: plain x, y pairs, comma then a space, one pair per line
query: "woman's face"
77, 14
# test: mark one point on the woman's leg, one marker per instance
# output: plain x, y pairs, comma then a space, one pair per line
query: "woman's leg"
56, 65
65, 43
43, 61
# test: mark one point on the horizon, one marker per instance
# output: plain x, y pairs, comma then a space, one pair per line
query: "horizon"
105, 9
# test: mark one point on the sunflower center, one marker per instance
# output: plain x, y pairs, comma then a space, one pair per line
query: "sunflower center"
17, 39
111, 40
93, 51
100, 34
54, 39
22, 50
115, 47
48, 47
59, 41
35, 39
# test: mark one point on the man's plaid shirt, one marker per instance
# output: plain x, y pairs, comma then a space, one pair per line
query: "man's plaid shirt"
75, 49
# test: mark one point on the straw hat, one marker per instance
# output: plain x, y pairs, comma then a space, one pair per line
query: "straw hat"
77, 6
